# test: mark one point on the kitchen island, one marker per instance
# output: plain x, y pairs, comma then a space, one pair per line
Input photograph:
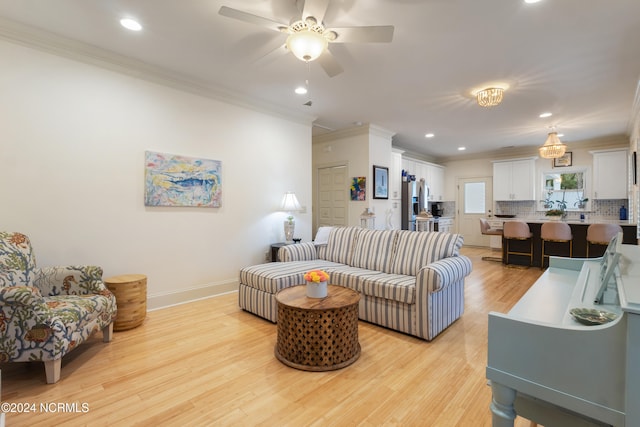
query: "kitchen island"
579, 231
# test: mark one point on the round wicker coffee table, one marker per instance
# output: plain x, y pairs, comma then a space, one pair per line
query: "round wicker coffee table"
317, 334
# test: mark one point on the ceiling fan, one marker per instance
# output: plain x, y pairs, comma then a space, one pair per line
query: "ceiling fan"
308, 39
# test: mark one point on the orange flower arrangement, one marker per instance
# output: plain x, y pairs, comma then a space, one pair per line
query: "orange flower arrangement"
316, 276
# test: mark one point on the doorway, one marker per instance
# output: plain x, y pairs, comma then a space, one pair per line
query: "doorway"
475, 201
332, 209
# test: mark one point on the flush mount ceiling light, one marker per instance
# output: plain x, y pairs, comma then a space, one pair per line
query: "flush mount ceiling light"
130, 24
308, 39
490, 97
553, 148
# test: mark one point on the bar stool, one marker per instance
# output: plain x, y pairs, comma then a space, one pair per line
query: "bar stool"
517, 230
555, 231
486, 229
601, 234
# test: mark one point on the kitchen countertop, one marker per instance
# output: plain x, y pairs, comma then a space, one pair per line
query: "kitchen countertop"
591, 220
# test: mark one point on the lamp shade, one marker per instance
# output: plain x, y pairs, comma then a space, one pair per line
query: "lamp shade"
290, 202
307, 45
553, 148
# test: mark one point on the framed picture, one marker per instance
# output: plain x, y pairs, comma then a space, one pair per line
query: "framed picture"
173, 180
563, 161
358, 188
380, 182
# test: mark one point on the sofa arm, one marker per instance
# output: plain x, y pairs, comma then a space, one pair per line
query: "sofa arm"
440, 274
69, 280
298, 252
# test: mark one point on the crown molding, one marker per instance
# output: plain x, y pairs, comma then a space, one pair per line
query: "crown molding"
611, 141
55, 44
342, 134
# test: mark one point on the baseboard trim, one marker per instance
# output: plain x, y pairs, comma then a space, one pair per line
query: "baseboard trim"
155, 302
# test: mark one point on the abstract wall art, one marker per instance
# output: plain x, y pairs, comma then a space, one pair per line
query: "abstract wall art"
358, 188
173, 180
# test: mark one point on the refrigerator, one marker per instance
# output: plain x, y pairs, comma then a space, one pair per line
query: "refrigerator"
414, 200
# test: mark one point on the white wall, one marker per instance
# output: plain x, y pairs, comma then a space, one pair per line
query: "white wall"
380, 155
359, 148
72, 145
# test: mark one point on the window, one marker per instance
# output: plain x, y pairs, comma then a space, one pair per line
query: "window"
474, 198
565, 190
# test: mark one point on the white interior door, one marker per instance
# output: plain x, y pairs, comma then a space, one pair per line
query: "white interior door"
332, 193
475, 201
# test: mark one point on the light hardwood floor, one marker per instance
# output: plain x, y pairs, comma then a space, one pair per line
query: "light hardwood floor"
209, 363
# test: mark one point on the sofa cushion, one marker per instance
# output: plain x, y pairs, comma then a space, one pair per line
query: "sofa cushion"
273, 276
340, 245
350, 277
396, 287
414, 250
374, 249
322, 235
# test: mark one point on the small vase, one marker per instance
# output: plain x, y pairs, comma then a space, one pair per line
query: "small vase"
316, 289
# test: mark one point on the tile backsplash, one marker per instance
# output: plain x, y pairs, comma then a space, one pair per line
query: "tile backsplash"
530, 208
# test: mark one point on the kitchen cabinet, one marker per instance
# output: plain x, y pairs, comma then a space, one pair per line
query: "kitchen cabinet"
514, 179
610, 174
435, 182
409, 166
445, 225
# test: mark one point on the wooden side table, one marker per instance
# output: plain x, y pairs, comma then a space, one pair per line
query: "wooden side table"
130, 291
275, 248
317, 334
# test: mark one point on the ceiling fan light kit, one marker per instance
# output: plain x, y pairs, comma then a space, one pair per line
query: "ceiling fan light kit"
308, 38
490, 97
553, 148
308, 43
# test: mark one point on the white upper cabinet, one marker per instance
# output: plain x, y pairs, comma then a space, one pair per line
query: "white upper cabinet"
409, 166
514, 179
435, 182
610, 174
432, 174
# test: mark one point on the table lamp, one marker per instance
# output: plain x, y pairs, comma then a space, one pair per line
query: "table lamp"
289, 204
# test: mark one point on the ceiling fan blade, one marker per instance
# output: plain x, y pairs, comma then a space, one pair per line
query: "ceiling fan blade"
329, 63
378, 34
251, 19
315, 8
271, 56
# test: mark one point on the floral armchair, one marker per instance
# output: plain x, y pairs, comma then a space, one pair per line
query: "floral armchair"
47, 312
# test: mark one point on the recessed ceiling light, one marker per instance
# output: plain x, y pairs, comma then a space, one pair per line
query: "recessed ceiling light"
544, 115
429, 135
560, 135
130, 24
462, 148
531, 1
301, 90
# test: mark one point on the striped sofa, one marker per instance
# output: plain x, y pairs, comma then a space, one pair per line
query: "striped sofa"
412, 282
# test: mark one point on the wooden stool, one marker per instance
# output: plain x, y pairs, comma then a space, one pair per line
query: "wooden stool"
130, 291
